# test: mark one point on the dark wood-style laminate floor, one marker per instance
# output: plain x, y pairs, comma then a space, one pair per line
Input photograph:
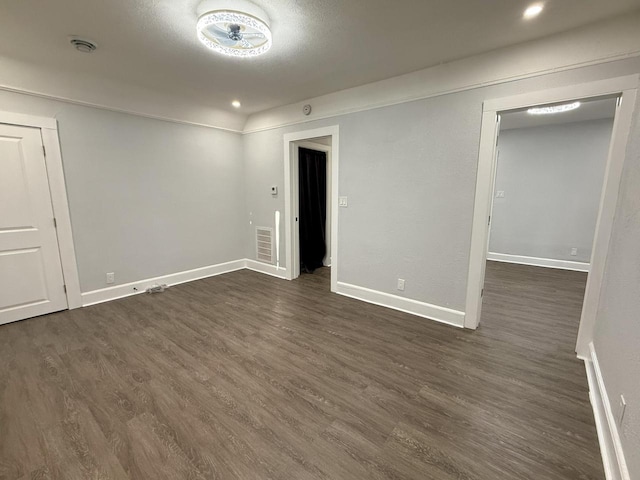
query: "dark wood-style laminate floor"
244, 376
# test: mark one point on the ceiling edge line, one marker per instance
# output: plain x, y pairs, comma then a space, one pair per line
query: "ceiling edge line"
373, 106
81, 103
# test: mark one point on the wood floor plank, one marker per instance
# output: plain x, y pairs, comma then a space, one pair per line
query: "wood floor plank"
244, 376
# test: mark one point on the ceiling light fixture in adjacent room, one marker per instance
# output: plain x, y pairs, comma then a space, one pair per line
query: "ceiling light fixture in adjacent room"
236, 104
533, 10
235, 28
567, 107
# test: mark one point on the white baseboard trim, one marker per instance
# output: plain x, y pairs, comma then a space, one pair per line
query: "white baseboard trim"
414, 307
539, 262
407, 305
134, 288
266, 268
615, 466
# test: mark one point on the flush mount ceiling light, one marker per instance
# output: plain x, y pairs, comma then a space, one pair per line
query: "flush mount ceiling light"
533, 10
237, 28
82, 44
567, 107
236, 104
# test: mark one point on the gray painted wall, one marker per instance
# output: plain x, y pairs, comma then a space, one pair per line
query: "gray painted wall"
147, 197
617, 330
552, 179
379, 152
409, 171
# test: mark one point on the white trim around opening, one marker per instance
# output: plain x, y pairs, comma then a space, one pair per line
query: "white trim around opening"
625, 88
289, 197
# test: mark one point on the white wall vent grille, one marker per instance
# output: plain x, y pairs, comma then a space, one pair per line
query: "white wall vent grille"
264, 244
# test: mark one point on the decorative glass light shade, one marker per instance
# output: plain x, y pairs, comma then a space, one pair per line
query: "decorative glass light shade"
236, 29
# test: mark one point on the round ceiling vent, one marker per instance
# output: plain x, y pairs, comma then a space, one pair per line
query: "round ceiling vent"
82, 44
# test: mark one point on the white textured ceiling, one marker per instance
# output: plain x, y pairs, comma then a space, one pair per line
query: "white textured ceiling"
320, 46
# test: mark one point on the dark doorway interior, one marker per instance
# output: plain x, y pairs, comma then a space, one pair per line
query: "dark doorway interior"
313, 208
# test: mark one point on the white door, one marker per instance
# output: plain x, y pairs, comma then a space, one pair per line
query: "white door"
31, 281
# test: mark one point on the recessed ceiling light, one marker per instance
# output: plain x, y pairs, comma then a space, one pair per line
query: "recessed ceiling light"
533, 10
567, 107
236, 28
236, 103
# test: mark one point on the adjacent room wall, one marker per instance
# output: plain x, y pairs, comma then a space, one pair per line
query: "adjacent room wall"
552, 179
409, 173
147, 197
617, 330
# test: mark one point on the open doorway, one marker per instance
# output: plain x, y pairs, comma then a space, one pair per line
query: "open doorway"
313, 164
622, 88
311, 202
549, 174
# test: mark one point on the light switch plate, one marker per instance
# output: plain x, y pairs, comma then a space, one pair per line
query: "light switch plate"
342, 202
401, 284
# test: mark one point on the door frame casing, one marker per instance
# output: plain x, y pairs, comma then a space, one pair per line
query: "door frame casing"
626, 88
55, 173
291, 247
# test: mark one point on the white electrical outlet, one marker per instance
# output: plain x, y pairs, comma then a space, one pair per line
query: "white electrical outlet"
574, 252
343, 202
500, 194
401, 284
111, 277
